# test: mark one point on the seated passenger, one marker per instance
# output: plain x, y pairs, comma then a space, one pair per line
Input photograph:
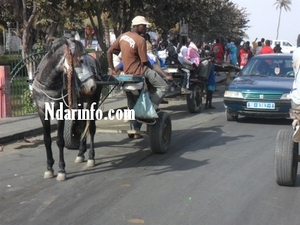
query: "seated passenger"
162, 53
192, 54
263, 68
182, 57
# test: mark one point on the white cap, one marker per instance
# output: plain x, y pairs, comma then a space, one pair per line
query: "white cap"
139, 20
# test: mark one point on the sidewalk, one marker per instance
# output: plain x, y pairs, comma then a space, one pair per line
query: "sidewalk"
16, 128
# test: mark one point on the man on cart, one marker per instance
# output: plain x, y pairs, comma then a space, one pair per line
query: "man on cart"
295, 93
135, 62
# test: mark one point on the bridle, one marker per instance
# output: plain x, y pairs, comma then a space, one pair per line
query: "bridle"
69, 70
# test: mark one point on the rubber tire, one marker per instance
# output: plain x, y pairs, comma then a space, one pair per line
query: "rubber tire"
230, 117
160, 134
72, 139
285, 161
194, 100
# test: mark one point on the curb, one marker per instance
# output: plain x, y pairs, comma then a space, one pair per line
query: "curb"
37, 131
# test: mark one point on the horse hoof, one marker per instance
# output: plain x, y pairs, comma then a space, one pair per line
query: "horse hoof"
91, 163
61, 177
49, 174
79, 159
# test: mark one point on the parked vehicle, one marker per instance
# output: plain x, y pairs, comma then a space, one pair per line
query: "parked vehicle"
261, 88
286, 46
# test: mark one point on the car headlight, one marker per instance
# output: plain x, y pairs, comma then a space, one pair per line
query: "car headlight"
233, 94
285, 96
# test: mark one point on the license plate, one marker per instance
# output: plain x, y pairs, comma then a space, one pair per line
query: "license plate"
260, 105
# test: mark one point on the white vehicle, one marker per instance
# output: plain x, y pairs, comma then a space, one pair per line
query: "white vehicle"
286, 46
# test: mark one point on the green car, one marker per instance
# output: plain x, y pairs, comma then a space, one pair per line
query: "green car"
261, 88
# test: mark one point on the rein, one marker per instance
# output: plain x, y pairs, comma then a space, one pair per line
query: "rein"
69, 75
40, 88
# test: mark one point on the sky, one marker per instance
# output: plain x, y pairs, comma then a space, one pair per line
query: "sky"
264, 20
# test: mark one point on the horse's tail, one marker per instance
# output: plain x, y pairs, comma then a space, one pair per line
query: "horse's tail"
86, 130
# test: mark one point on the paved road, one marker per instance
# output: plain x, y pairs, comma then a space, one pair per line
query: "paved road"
216, 172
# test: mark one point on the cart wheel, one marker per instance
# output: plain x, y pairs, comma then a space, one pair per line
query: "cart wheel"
160, 133
286, 154
194, 100
72, 134
229, 117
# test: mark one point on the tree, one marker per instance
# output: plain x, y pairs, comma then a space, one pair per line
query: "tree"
279, 5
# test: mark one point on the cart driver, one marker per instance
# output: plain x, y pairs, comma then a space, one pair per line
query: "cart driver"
135, 61
295, 93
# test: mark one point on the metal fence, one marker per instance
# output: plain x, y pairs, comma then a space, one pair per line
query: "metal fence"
21, 94
20, 91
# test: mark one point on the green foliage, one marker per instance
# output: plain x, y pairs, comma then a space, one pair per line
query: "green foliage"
28, 103
209, 18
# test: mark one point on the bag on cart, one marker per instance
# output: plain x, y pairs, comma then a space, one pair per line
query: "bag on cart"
143, 107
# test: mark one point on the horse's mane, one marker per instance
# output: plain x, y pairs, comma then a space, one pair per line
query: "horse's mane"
78, 51
57, 44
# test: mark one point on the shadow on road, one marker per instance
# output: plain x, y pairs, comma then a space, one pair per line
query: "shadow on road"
195, 140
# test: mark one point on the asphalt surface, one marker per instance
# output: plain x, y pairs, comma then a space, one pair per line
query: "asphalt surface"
215, 172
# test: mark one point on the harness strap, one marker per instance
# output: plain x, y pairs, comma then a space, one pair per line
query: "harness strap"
50, 93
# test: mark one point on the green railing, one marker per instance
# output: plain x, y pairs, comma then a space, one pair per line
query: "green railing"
20, 93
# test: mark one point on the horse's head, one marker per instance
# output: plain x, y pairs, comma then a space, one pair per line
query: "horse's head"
80, 61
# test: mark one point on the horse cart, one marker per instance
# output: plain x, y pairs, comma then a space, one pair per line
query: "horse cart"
159, 132
197, 81
196, 87
287, 154
76, 84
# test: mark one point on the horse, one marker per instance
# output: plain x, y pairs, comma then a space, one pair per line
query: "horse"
66, 76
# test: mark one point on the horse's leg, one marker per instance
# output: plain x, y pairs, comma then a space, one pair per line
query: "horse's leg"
82, 149
61, 144
92, 131
49, 173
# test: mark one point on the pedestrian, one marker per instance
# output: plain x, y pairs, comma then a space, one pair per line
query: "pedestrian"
267, 48
233, 53
135, 62
211, 84
228, 51
255, 45
218, 49
277, 49
262, 42
258, 48
244, 55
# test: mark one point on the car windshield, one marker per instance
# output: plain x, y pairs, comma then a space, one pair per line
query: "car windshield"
270, 66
